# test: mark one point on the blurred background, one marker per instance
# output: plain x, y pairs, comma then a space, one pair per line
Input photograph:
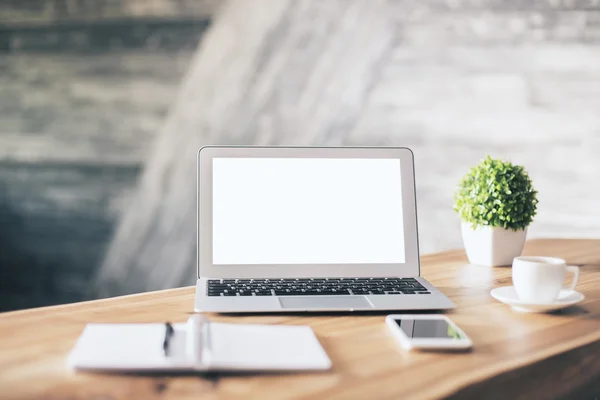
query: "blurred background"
103, 104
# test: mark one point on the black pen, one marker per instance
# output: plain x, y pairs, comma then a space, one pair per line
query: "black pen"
169, 332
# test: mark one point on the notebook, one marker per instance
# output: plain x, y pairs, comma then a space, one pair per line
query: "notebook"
198, 345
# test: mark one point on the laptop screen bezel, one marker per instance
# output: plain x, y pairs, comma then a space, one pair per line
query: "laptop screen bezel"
205, 267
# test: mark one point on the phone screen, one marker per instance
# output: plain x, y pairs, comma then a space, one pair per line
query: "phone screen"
428, 329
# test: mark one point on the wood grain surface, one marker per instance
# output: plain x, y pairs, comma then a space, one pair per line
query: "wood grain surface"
514, 356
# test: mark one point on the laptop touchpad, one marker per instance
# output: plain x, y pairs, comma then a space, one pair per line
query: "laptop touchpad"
322, 302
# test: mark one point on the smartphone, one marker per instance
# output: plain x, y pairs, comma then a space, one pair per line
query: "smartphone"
427, 332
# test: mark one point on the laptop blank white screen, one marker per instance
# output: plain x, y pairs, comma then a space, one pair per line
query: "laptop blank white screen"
307, 211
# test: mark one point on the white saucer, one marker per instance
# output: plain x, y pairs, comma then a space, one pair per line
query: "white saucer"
507, 295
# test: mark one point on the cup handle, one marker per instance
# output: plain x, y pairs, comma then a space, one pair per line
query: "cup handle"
575, 272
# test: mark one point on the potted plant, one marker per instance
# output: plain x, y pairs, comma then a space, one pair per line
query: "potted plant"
496, 202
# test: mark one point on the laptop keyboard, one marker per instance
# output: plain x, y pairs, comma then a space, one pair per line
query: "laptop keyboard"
314, 287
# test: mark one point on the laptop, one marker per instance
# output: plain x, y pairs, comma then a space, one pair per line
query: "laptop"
291, 229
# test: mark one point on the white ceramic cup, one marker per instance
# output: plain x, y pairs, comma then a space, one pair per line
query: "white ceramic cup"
540, 279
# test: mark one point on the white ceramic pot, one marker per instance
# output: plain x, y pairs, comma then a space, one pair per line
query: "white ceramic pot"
492, 247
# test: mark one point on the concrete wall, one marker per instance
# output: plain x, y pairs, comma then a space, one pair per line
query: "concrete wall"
515, 79
77, 117
518, 80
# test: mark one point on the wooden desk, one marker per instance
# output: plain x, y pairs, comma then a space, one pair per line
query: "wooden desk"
515, 355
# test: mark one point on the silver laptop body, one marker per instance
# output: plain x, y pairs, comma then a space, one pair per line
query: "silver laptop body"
289, 229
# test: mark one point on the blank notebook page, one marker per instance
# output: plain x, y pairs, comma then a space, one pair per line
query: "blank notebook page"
230, 347
265, 348
130, 347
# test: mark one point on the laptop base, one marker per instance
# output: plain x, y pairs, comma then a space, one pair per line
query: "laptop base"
436, 300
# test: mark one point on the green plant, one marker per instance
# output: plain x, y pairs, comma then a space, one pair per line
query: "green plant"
498, 194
